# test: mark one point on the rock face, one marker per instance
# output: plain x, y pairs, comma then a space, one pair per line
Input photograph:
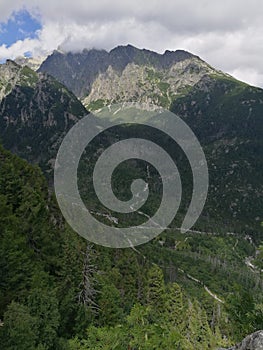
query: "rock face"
147, 84
32, 62
127, 73
12, 74
78, 71
251, 342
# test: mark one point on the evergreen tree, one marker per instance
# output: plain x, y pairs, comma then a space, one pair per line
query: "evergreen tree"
156, 291
174, 308
198, 331
109, 304
43, 304
19, 331
241, 308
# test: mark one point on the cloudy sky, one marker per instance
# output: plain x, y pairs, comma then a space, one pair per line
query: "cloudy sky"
228, 34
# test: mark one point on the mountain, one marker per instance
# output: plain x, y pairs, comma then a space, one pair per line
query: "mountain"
193, 291
226, 116
36, 111
224, 113
127, 73
78, 71
147, 83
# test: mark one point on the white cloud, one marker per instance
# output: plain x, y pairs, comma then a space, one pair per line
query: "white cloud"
227, 33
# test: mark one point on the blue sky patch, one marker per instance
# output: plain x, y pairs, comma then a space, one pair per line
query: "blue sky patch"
21, 25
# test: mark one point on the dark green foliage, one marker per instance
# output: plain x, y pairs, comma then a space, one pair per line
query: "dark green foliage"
226, 116
155, 291
174, 307
29, 255
20, 329
243, 314
109, 303
43, 304
135, 299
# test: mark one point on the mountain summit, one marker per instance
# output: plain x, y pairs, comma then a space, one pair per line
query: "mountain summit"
127, 73
79, 70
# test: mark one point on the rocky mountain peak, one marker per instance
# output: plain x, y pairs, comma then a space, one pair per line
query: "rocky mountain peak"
9, 76
148, 83
32, 62
9, 69
79, 70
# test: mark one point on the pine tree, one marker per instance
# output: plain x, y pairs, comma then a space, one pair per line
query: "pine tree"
156, 291
174, 308
43, 304
139, 325
109, 304
19, 331
198, 331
